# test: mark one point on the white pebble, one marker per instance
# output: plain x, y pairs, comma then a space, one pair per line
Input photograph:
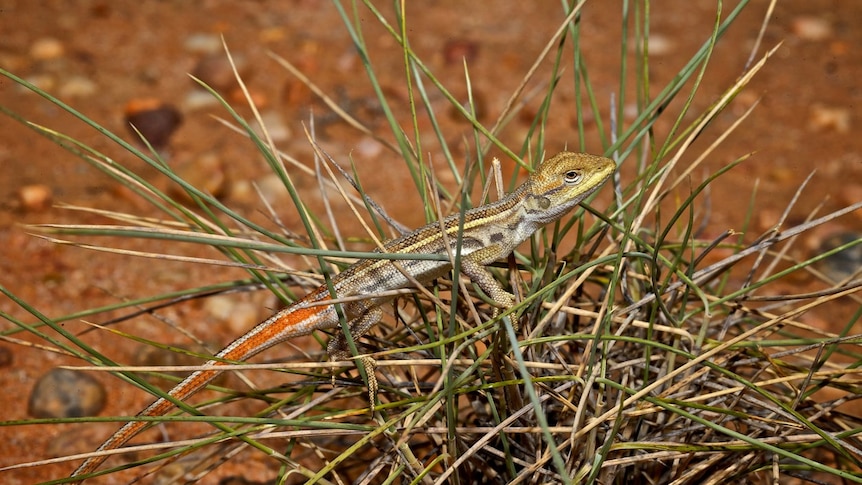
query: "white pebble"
272, 188
47, 48
203, 43
199, 99
660, 45
811, 28
35, 197
77, 87
275, 126
45, 82
368, 147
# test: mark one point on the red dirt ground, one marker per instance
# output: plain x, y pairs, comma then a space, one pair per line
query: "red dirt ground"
114, 52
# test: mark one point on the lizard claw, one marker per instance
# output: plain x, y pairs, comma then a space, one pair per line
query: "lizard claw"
504, 301
370, 365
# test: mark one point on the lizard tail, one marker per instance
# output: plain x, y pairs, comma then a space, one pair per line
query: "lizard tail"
185, 389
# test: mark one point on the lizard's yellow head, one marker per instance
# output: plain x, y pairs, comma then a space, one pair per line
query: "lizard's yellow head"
561, 182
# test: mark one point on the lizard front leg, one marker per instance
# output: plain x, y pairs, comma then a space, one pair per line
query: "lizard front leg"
473, 265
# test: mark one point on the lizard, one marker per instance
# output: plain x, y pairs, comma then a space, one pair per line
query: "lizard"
486, 234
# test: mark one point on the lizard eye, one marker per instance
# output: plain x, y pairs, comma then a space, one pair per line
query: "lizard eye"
573, 177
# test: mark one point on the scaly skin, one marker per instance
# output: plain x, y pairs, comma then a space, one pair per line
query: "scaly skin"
489, 233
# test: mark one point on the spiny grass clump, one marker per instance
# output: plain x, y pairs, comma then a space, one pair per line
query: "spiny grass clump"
640, 350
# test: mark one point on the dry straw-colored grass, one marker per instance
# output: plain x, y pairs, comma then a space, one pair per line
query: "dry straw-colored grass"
645, 354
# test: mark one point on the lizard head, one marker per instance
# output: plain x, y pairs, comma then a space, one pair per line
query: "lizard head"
561, 182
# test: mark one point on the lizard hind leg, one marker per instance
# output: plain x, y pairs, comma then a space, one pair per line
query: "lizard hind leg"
339, 347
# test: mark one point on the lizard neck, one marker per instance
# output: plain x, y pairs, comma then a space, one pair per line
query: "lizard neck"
504, 224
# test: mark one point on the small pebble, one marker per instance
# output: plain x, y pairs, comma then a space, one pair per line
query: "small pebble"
186, 466
203, 43
241, 191
198, 99
258, 98
823, 118
631, 111
272, 34
174, 471
811, 28
347, 61
782, 175
155, 120
368, 147
35, 197
767, 218
206, 173
45, 82
5, 357
63, 393
244, 316
15, 61
47, 48
240, 315
458, 51
156, 356
80, 439
842, 264
839, 48
307, 60
849, 194
77, 87
660, 44
275, 126
295, 94
478, 108
272, 188
238, 480
743, 101
216, 72
219, 307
